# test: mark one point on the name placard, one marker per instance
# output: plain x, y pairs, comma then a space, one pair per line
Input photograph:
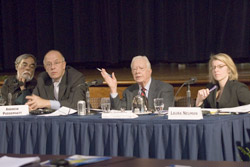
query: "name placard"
14, 110
185, 113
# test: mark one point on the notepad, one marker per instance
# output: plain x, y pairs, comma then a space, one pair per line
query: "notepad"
17, 161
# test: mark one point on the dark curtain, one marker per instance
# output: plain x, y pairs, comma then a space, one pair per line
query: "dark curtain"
111, 32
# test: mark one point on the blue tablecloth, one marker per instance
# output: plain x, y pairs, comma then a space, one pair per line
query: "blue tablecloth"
214, 138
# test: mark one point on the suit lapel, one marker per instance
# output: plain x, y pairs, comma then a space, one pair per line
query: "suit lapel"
49, 89
212, 98
151, 93
224, 96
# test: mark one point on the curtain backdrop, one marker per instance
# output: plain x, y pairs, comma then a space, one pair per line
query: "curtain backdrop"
111, 32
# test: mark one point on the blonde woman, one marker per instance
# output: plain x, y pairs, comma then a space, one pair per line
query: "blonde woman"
224, 89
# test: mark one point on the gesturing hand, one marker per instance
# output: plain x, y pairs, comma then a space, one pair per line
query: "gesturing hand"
111, 81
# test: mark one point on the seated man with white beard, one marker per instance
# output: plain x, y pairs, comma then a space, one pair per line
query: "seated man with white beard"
16, 88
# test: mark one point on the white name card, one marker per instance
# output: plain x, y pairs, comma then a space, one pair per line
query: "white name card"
185, 113
14, 110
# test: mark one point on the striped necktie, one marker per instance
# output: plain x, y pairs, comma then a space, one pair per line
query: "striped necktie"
143, 94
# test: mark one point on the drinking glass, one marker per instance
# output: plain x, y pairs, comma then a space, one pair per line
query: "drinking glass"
105, 104
159, 105
2, 101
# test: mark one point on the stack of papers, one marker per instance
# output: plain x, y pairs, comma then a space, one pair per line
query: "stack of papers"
239, 109
79, 160
16, 162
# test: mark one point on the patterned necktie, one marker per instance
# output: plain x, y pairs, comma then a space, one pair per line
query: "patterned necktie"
143, 94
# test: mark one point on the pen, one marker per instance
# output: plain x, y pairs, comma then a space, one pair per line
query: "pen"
213, 88
101, 71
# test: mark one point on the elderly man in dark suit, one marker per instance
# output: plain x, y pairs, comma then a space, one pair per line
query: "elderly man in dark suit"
141, 71
60, 85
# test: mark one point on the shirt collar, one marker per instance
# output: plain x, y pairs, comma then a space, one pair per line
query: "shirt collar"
147, 85
57, 83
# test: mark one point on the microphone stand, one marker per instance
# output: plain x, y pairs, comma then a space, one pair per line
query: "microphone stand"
93, 83
188, 93
188, 96
88, 100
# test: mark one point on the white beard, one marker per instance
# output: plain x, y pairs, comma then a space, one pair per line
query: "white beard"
27, 76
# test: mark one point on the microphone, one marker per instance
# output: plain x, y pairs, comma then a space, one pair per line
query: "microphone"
88, 102
92, 83
190, 81
87, 95
213, 88
95, 82
9, 99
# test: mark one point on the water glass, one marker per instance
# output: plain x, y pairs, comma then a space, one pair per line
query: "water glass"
105, 104
159, 105
2, 101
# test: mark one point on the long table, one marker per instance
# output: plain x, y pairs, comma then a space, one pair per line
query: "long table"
135, 162
215, 138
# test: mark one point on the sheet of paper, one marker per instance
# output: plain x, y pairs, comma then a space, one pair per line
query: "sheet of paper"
239, 109
79, 160
16, 162
61, 111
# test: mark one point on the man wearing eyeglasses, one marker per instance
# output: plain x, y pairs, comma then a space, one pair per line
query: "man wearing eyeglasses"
16, 88
60, 85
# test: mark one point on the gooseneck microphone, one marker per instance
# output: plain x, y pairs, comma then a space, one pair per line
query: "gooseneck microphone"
92, 83
190, 81
95, 82
87, 95
188, 93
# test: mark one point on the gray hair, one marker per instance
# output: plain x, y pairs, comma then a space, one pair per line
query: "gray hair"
24, 56
141, 57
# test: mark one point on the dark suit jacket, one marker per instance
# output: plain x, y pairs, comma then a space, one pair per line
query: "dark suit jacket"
71, 88
234, 94
157, 89
12, 85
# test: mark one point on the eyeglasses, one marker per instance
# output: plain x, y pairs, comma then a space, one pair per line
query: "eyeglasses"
219, 67
55, 64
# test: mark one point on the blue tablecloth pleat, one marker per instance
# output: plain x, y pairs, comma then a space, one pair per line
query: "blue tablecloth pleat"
214, 138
